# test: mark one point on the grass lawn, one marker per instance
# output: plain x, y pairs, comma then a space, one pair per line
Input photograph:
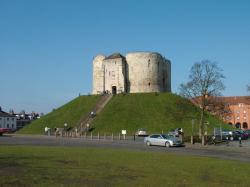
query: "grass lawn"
67, 166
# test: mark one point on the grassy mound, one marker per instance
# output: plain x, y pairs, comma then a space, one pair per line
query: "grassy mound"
152, 111
156, 112
69, 113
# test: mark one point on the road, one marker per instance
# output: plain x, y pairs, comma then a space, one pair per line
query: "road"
229, 152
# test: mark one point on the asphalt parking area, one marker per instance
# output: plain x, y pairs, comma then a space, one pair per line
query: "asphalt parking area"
232, 151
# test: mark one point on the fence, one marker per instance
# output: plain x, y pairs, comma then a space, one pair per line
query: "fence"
94, 136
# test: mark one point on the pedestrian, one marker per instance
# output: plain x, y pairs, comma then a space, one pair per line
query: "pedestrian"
46, 130
87, 127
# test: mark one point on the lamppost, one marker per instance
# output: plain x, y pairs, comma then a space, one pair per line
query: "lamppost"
206, 124
192, 135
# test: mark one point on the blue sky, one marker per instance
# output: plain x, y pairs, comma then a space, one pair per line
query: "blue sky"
47, 46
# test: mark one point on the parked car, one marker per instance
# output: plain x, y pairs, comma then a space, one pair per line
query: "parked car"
226, 134
141, 132
244, 134
248, 132
236, 135
162, 140
5, 130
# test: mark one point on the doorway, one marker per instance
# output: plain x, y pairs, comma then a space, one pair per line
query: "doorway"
114, 91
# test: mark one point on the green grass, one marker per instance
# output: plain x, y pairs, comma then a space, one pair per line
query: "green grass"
69, 113
154, 112
65, 166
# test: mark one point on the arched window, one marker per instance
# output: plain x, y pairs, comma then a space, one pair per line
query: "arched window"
230, 123
245, 126
238, 125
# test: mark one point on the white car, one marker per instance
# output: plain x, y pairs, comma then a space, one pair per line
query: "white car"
141, 132
162, 140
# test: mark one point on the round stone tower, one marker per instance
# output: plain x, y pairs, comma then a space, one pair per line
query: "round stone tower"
136, 73
98, 74
148, 72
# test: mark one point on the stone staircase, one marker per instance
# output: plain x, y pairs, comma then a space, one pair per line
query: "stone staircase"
84, 123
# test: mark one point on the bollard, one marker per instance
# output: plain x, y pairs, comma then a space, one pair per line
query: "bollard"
192, 140
240, 142
112, 137
119, 136
91, 136
227, 139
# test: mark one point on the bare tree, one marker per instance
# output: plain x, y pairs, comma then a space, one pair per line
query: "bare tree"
205, 80
218, 107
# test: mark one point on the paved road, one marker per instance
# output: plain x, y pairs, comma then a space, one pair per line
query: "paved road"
231, 152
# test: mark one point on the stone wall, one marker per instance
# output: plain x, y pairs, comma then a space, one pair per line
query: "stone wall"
147, 72
98, 74
138, 72
114, 71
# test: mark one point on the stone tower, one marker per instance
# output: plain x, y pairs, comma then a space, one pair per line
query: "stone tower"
135, 73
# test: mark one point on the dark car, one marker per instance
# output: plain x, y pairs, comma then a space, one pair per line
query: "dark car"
226, 134
5, 130
236, 135
244, 134
248, 132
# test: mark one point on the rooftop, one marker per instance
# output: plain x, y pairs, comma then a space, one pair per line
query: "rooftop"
114, 56
237, 99
5, 114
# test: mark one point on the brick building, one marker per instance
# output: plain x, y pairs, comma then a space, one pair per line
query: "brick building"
240, 111
233, 110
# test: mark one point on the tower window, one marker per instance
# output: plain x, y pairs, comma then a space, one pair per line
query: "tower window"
149, 84
149, 63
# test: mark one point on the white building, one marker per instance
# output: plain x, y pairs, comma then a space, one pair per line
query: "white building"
7, 120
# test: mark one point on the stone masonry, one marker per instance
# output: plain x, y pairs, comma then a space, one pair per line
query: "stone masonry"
138, 72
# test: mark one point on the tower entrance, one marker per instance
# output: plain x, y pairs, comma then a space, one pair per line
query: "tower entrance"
114, 90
